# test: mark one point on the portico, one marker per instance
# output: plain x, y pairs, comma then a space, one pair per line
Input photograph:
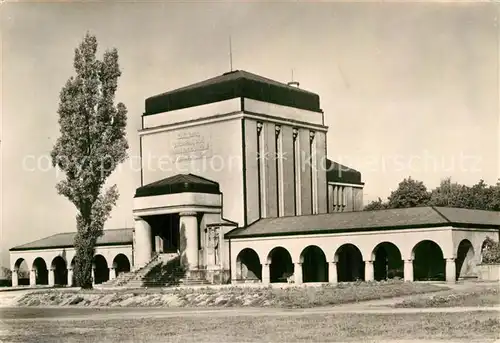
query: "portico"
184, 213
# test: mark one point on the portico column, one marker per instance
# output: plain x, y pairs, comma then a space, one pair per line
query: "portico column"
33, 277
143, 243
93, 275
298, 273
451, 270
368, 271
189, 229
332, 272
408, 270
51, 277
15, 278
266, 277
70, 277
112, 273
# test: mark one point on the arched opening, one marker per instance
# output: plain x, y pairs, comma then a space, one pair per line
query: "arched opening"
101, 271
465, 266
387, 262
350, 265
428, 262
23, 272
121, 264
314, 265
248, 265
487, 247
41, 272
60, 271
281, 266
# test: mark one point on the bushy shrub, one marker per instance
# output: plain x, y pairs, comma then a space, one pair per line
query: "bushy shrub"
491, 251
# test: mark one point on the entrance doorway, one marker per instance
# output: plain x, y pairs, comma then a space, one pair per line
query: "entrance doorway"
165, 232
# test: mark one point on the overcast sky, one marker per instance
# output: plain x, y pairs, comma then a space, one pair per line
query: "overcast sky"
407, 89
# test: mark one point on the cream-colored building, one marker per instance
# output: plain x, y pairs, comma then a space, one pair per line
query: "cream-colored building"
235, 177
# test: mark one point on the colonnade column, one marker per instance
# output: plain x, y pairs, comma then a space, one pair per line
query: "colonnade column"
332, 272
188, 228
33, 277
408, 270
70, 277
51, 277
15, 278
112, 273
297, 273
266, 277
143, 243
451, 270
369, 271
93, 274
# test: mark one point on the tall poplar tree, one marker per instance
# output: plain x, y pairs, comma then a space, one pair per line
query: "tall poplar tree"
92, 143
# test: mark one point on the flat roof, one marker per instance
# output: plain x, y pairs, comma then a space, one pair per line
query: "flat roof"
66, 240
235, 84
400, 218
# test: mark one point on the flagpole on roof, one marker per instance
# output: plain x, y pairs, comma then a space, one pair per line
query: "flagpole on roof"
230, 54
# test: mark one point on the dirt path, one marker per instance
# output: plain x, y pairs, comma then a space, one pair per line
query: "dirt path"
16, 314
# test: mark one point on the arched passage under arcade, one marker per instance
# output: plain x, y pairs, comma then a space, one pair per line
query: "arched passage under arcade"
101, 271
60, 271
121, 264
41, 272
248, 265
428, 262
23, 272
465, 260
314, 265
350, 265
387, 261
281, 265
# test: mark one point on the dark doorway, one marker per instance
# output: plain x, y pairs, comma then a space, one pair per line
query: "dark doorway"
101, 271
281, 265
350, 264
121, 264
314, 265
166, 227
428, 263
387, 262
41, 272
60, 271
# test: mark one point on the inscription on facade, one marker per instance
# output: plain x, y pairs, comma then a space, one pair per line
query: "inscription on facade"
190, 145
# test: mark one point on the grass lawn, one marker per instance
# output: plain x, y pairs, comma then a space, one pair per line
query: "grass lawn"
482, 326
480, 296
288, 297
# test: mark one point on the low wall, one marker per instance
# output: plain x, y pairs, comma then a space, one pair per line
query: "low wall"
489, 272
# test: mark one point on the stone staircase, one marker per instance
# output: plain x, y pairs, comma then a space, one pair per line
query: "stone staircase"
158, 273
124, 279
140, 279
194, 281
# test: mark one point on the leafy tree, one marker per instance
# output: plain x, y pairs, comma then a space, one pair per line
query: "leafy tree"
92, 142
410, 193
6, 273
21, 273
450, 194
376, 205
